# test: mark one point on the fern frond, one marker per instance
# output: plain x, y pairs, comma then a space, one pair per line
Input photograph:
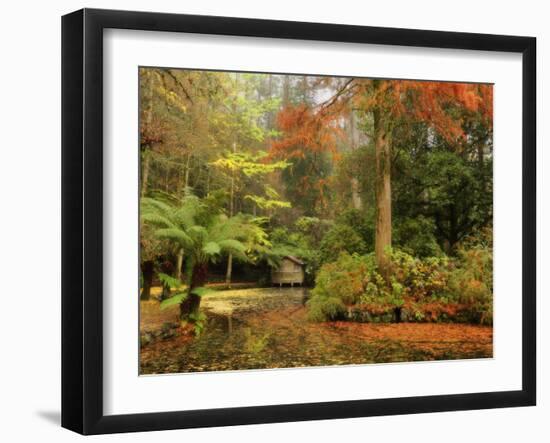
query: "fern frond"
175, 235
197, 232
149, 205
174, 300
211, 248
168, 280
234, 247
158, 220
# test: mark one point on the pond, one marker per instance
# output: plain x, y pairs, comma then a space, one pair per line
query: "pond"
259, 328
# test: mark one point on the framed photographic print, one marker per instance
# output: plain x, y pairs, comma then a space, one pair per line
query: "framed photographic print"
269, 221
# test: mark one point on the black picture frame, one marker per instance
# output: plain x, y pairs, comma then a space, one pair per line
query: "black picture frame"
82, 219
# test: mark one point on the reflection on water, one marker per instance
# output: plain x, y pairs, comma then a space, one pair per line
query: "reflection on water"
268, 328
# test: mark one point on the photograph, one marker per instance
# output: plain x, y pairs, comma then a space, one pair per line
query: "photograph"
294, 220
272, 222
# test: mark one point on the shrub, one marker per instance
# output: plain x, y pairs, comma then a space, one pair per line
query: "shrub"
355, 280
361, 222
420, 278
472, 281
312, 229
324, 309
432, 289
338, 284
346, 278
416, 236
340, 238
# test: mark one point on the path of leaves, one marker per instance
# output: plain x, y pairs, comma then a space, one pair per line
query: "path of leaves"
269, 329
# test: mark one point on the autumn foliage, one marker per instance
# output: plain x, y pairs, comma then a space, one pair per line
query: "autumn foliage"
381, 189
318, 128
305, 129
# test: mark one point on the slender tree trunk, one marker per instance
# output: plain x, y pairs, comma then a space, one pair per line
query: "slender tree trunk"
305, 89
481, 165
187, 169
191, 305
165, 292
146, 165
383, 190
229, 269
179, 264
271, 114
146, 160
453, 229
147, 270
356, 200
286, 90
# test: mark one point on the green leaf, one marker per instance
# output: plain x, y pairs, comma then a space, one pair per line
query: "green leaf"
168, 280
198, 231
174, 234
174, 300
156, 220
211, 248
231, 245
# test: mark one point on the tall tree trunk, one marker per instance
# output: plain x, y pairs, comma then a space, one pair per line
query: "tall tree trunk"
146, 160
356, 199
453, 229
270, 114
191, 305
147, 270
187, 169
305, 89
286, 91
229, 269
383, 189
165, 294
481, 165
146, 165
179, 264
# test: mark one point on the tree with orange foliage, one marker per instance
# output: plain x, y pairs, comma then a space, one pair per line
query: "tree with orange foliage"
388, 101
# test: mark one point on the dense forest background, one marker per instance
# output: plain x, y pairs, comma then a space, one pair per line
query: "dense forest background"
391, 172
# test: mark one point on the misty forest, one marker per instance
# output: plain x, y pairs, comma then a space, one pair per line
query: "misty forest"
296, 220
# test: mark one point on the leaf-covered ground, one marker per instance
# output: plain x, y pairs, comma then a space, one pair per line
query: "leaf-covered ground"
267, 328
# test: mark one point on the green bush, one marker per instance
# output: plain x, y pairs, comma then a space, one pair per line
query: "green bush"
340, 238
429, 289
354, 280
338, 284
472, 281
312, 229
420, 278
324, 309
416, 236
361, 222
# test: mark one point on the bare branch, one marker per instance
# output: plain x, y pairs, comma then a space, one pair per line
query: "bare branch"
179, 83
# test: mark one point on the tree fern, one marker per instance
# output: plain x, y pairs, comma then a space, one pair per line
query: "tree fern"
168, 280
235, 247
174, 300
211, 248
204, 237
175, 235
